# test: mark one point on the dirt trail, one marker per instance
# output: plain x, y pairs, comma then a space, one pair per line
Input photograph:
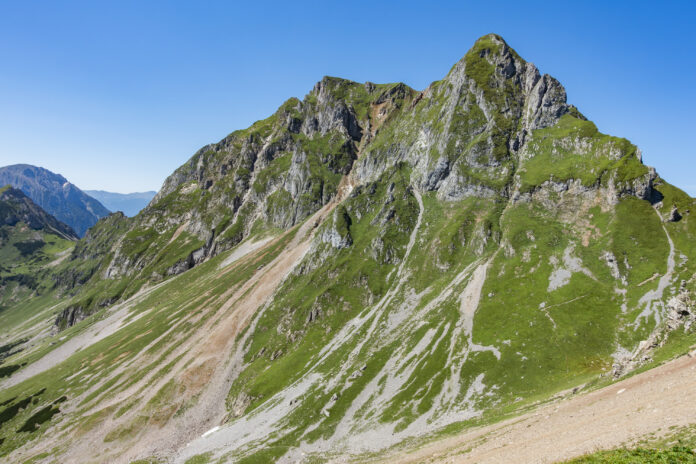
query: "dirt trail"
618, 414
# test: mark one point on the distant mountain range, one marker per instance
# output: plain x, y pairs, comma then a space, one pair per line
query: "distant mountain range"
55, 195
129, 203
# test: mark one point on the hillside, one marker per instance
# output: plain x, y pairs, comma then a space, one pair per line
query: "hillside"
30, 239
369, 269
128, 203
55, 195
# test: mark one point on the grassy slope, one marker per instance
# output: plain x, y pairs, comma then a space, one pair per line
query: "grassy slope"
26, 283
589, 322
23, 254
673, 455
676, 445
163, 308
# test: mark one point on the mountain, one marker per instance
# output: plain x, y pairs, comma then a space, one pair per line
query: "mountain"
16, 207
56, 195
368, 269
129, 203
30, 238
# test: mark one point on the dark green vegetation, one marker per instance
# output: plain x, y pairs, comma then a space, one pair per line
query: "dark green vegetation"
12, 410
41, 416
490, 248
10, 348
6, 371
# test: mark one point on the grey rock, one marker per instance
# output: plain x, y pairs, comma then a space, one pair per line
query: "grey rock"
674, 215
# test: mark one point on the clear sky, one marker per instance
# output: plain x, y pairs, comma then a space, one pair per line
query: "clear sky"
116, 95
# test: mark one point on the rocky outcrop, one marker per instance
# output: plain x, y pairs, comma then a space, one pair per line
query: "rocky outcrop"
465, 131
674, 215
338, 233
680, 314
681, 309
69, 317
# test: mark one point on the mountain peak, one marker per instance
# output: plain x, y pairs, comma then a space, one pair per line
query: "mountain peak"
493, 44
489, 57
491, 38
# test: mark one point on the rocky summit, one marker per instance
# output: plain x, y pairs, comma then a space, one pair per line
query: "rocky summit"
367, 271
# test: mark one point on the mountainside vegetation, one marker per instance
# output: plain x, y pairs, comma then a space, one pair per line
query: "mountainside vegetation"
32, 242
369, 268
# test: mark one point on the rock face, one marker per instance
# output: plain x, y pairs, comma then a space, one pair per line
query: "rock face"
338, 235
55, 195
465, 131
69, 317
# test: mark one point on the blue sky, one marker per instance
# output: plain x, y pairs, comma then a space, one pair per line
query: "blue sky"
116, 95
